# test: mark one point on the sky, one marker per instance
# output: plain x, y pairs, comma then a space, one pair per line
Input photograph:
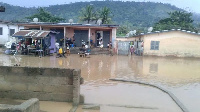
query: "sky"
189, 5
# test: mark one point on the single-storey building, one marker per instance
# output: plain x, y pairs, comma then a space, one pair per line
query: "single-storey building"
7, 29
179, 43
76, 32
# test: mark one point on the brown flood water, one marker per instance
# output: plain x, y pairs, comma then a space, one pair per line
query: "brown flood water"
178, 75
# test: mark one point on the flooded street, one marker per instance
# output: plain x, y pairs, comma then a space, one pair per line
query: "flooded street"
181, 76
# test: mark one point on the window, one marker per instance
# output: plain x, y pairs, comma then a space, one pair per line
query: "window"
155, 45
1, 31
12, 31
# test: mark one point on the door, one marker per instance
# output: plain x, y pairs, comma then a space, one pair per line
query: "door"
98, 37
106, 38
79, 36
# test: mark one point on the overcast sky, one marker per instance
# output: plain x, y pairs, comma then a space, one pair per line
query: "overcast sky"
189, 5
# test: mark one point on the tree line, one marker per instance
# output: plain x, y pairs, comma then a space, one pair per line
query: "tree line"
176, 20
87, 14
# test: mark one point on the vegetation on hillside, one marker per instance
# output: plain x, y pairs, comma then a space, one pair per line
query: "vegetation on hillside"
44, 16
177, 20
137, 13
129, 15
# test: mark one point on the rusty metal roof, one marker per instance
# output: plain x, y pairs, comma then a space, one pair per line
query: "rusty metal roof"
31, 33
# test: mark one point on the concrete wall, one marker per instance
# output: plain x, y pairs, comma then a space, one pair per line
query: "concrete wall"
31, 105
174, 43
5, 34
70, 33
51, 84
5, 37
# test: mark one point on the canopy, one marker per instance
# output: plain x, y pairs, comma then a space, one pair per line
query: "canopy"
31, 33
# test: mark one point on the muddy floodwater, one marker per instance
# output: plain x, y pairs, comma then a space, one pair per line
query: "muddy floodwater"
180, 76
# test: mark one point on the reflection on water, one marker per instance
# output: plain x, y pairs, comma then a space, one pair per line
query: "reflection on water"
181, 76
153, 68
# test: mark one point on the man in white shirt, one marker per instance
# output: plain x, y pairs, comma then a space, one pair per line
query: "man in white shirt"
57, 46
86, 46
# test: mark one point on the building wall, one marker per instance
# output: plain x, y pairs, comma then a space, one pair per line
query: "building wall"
51, 84
70, 32
5, 37
47, 29
174, 43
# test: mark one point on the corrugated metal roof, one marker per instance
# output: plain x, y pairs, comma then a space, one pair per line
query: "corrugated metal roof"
31, 33
165, 31
69, 25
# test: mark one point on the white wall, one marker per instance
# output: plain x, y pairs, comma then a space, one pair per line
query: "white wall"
4, 37
6, 32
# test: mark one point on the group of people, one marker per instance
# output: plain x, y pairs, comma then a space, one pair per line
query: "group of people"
25, 47
85, 49
137, 51
60, 51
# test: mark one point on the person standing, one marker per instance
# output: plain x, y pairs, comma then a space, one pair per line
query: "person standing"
61, 53
83, 43
101, 45
108, 45
57, 46
110, 49
132, 50
142, 49
68, 50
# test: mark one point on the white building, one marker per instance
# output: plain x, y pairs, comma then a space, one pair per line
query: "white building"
7, 29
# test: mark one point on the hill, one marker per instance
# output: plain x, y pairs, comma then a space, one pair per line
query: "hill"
138, 14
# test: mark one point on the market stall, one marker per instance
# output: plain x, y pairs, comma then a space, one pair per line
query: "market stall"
34, 41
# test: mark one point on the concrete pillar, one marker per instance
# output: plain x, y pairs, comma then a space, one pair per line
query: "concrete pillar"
89, 35
114, 44
76, 87
64, 37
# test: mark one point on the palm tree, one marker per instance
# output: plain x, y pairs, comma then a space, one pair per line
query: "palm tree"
105, 15
88, 14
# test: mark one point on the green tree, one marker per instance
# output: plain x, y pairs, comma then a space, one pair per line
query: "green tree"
177, 20
88, 14
198, 28
105, 15
44, 16
122, 30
